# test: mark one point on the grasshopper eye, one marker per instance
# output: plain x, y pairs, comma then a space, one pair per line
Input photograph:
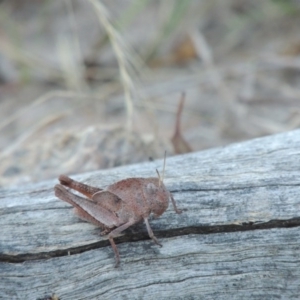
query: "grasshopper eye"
151, 188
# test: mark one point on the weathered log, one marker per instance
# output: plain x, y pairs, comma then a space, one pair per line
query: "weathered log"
239, 238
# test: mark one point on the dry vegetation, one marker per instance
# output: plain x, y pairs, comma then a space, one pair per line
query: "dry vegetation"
95, 84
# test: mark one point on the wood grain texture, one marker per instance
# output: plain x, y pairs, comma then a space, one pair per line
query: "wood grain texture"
239, 238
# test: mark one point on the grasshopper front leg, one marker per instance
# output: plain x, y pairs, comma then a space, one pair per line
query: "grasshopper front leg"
113, 234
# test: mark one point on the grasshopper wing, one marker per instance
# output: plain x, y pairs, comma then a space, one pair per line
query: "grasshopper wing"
88, 210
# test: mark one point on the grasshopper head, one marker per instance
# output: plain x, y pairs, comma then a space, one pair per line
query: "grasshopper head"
157, 196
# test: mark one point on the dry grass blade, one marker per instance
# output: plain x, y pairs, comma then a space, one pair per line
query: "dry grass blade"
122, 62
30, 132
179, 143
37, 102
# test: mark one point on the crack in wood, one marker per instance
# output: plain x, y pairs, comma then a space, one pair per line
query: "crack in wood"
136, 237
189, 190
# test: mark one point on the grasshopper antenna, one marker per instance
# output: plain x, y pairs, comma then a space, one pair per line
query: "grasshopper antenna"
164, 167
159, 179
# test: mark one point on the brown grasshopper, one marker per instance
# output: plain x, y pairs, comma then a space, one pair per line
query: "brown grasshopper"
121, 205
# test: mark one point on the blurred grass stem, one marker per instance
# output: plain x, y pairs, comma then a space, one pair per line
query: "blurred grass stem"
115, 42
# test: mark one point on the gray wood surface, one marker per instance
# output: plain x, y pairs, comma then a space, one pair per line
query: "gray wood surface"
239, 238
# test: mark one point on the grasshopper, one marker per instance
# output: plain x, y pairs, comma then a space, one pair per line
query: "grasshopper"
120, 205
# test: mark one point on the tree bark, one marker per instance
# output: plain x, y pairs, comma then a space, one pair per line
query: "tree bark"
238, 239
